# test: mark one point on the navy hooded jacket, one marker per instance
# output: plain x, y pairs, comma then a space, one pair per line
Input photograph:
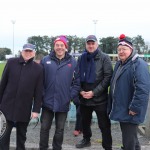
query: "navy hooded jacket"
61, 82
130, 91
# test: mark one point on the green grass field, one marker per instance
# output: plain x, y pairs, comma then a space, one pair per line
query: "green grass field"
2, 65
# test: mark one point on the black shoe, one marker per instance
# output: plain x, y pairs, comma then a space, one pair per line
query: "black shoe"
83, 143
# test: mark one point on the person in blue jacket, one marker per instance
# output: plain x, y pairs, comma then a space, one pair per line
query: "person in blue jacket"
129, 93
61, 85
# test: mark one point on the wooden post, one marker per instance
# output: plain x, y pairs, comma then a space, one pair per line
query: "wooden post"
147, 124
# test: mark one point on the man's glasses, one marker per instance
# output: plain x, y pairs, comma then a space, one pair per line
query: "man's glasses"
121, 49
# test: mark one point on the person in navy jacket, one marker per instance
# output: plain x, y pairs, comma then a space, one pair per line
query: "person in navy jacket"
129, 93
61, 85
20, 95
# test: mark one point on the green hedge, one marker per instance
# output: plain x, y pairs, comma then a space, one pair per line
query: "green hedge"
2, 65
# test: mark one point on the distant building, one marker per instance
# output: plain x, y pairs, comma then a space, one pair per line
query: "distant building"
9, 56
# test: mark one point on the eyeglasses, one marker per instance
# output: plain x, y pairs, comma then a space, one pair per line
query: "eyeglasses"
122, 49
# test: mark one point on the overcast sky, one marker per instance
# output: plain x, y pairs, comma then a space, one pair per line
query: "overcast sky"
72, 17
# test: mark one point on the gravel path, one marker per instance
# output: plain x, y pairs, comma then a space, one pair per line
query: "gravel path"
70, 140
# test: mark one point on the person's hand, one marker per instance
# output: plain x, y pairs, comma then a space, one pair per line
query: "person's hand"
132, 113
88, 95
83, 93
34, 115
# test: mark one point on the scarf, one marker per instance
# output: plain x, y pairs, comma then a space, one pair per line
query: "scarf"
87, 67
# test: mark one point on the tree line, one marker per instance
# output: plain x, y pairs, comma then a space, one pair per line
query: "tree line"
44, 44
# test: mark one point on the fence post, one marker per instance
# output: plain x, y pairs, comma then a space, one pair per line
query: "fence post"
147, 124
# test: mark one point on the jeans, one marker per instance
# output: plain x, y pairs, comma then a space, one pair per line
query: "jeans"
46, 122
103, 123
21, 128
129, 136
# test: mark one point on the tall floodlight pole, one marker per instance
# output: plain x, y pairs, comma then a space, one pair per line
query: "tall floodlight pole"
13, 22
95, 22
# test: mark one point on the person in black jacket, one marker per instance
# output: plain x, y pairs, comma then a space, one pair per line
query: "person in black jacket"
20, 95
95, 73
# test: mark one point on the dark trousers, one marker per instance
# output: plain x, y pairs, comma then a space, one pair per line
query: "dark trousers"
103, 123
21, 128
78, 124
46, 122
129, 136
